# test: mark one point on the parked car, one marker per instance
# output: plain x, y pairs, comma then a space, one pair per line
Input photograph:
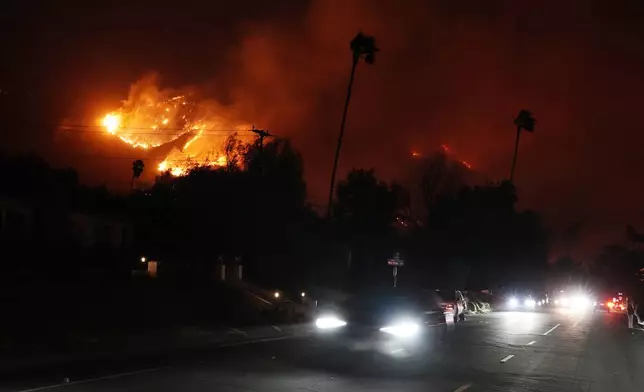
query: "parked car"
453, 303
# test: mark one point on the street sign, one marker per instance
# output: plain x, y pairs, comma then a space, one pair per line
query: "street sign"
396, 261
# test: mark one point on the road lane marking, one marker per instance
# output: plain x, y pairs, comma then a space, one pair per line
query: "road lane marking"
551, 329
462, 388
509, 357
253, 341
531, 343
89, 380
238, 331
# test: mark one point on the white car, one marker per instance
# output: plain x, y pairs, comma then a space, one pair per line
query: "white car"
454, 304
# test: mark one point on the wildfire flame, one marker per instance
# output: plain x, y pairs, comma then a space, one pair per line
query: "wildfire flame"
152, 117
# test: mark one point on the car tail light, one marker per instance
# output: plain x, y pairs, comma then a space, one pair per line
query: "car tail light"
448, 307
610, 304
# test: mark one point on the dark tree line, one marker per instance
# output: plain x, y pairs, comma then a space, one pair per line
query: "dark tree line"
462, 235
255, 211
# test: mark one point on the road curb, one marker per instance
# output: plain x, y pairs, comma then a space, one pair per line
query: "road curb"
188, 338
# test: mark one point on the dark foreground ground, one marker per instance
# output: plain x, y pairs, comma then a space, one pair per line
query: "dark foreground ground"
500, 351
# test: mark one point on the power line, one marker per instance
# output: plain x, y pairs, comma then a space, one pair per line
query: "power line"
158, 157
169, 131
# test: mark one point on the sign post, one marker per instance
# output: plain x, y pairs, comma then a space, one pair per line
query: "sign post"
395, 262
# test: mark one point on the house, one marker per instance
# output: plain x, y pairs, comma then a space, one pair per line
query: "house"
90, 230
21, 220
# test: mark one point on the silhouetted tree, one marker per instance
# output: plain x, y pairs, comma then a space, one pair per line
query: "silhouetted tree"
365, 213
440, 176
618, 267
475, 238
137, 170
235, 150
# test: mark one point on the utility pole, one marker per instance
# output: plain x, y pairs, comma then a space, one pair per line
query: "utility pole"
261, 135
361, 46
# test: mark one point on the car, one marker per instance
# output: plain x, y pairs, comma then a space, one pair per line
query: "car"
453, 303
521, 302
395, 322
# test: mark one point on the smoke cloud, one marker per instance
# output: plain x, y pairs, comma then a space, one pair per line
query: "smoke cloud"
453, 72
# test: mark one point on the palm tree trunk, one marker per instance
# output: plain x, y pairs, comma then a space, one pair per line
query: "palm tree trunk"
339, 146
516, 151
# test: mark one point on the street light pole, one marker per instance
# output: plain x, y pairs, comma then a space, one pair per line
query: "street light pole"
361, 45
395, 276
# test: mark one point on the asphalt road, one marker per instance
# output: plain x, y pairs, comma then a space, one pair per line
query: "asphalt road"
501, 351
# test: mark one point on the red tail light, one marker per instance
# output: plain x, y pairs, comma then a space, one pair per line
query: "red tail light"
448, 307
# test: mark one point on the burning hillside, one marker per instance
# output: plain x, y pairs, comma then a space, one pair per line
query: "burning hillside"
196, 130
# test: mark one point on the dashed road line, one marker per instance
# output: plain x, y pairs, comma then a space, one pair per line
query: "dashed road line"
254, 341
238, 331
551, 329
509, 357
462, 388
531, 343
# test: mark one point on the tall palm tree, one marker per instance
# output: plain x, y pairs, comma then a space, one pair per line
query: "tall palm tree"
137, 170
526, 121
362, 46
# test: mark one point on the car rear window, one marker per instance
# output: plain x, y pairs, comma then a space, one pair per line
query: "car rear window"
447, 295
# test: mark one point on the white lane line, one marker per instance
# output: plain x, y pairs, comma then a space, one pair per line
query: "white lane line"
509, 357
254, 341
462, 388
398, 350
531, 343
89, 380
235, 330
551, 329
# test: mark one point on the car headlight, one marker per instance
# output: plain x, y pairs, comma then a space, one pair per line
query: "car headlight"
403, 329
529, 303
513, 303
329, 322
581, 302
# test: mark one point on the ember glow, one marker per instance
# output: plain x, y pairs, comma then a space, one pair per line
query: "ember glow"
152, 117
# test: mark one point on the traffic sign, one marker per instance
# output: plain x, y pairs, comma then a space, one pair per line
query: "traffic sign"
396, 261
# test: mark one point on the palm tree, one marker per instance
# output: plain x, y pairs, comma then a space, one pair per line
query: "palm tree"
526, 121
361, 46
137, 170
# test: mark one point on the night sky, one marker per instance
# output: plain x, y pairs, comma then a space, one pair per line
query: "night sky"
452, 71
